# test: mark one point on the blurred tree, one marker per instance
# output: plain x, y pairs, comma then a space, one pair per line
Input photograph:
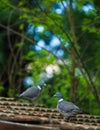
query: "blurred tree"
56, 40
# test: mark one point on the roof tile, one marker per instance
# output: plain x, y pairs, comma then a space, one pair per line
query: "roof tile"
24, 114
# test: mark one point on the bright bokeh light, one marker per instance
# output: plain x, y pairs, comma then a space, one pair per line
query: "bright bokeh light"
28, 81
60, 53
45, 76
54, 42
58, 8
52, 69
49, 69
87, 8
30, 29
56, 69
39, 29
58, 11
40, 45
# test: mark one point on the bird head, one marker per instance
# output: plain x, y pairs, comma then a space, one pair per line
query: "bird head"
41, 84
58, 94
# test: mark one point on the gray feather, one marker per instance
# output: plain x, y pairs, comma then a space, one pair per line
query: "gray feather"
31, 93
68, 108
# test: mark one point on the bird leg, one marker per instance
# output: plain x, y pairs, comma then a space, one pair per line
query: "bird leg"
31, 102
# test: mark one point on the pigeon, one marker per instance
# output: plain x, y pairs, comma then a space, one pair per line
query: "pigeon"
66, 108
31, 93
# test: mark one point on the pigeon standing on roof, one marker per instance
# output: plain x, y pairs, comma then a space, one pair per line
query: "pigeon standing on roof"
31, 93
68, 109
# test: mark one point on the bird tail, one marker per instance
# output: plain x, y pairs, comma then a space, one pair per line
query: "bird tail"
86, 112
83, 112
16, 98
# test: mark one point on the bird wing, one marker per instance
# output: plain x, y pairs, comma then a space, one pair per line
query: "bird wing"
67, 107
30, 92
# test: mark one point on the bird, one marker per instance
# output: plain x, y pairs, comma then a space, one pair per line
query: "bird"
66, 108
31, 93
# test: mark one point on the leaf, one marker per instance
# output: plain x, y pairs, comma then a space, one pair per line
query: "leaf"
21, 27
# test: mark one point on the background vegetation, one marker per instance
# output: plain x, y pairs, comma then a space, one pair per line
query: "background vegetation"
56, 40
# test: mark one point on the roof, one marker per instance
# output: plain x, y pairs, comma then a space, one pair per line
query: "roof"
17, 115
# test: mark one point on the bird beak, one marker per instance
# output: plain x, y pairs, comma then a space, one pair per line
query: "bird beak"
55, 95
45, 84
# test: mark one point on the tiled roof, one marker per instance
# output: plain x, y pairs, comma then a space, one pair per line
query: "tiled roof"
16, 115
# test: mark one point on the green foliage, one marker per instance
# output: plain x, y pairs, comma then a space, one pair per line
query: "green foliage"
10, 93
1, 89
80, 31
